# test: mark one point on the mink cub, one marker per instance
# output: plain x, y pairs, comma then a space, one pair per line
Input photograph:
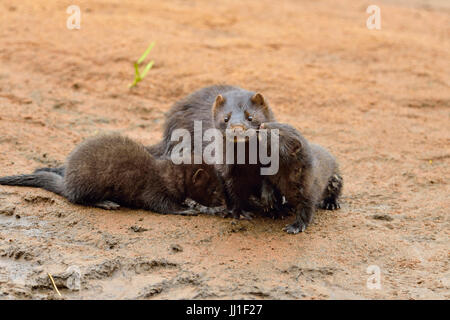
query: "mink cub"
112, 170
308, 176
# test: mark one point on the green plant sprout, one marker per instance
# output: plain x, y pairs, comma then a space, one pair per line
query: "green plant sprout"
139, 76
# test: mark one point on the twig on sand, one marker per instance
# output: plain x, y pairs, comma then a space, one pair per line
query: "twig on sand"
54, 285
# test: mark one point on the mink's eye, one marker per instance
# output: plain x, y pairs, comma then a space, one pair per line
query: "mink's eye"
226, 118
250, 118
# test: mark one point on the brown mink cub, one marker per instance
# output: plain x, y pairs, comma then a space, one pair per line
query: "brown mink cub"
224, 107
308, 176
112, 170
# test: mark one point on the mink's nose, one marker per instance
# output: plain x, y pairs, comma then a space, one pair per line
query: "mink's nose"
237, 127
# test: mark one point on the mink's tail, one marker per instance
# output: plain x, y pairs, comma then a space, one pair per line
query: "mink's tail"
42, 179
59, 170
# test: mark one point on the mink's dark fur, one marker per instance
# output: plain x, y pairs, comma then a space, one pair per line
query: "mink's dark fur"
308, 176
222, 107
113, 170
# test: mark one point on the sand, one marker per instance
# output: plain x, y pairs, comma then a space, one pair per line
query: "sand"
378, 99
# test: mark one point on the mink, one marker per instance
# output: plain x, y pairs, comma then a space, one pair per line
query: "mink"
308, 176
111, 171
224, 107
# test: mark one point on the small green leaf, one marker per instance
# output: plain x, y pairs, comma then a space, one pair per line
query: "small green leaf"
147, 67
139, 76
150, 47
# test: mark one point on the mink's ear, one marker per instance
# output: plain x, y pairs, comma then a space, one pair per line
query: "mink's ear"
200, 178
258, 100
218, 103
297, 148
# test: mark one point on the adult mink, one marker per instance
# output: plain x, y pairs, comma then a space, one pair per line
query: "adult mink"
112, 170
308, 175
223, 107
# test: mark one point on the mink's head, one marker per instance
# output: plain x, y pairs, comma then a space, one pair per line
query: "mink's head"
237, 111
294, 156
204, 187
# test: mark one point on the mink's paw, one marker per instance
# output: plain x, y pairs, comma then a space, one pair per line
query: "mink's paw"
107, 205
227, 213
273, 214
295, 228
246, 215
279, 213
216, 211
330, 203
284, 212
268, 200
189, 212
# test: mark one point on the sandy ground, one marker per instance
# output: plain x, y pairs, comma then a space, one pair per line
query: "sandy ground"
379, 100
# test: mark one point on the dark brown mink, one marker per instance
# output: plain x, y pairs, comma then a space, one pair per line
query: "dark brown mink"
223, 107
112, 170
308, 176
